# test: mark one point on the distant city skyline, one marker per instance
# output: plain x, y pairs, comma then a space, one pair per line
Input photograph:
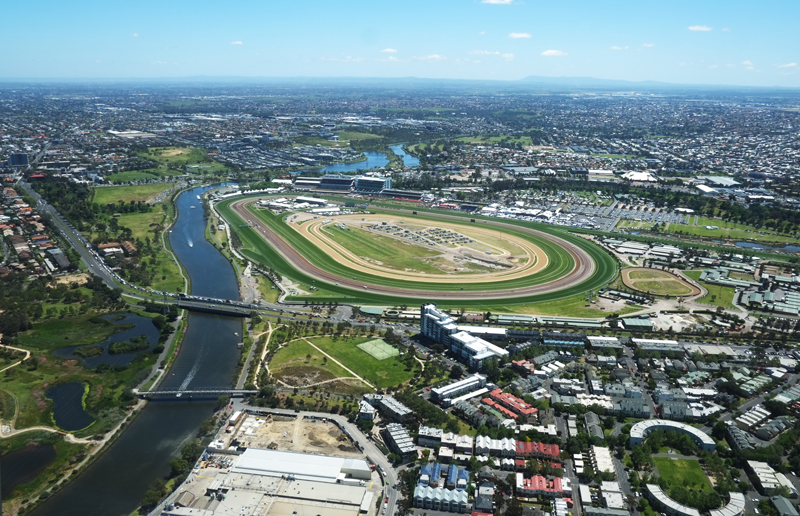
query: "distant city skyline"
710, 42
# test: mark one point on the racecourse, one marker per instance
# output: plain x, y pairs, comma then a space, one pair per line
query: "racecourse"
572, 265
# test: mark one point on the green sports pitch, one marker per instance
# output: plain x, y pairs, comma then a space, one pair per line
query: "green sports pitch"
379, 349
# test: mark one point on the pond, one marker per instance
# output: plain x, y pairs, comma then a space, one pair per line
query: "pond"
68, 412
23, 466
142, 337
374, 159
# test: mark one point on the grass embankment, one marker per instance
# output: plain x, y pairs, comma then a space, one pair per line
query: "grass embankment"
683, 472
560, 262
718, 295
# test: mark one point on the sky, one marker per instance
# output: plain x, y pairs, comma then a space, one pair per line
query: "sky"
686, 42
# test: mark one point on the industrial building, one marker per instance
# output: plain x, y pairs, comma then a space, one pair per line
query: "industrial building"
287, 482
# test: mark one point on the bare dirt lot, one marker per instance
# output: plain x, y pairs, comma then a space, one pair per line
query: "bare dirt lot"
295, 434
79, 278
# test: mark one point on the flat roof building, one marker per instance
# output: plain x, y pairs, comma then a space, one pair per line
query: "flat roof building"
470, 383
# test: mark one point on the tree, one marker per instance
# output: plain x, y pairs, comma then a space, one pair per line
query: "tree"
456, 371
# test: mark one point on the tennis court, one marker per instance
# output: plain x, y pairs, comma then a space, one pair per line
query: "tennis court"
379, 349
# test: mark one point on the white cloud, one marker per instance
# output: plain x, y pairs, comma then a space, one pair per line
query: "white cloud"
787, 65
713, 66
389, 50
649, 45
519, 35
484, 52
615, 47
700, 28
497, 2
508, 57
482, 32
135, 34
432, 57
553, 53
725, 29
236, 43
747, 63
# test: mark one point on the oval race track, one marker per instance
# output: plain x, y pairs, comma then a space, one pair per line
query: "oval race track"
583, 269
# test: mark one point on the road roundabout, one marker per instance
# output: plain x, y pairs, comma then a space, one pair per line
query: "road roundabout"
397, 256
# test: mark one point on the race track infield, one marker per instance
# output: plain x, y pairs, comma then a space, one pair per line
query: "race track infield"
657, 282
548, 263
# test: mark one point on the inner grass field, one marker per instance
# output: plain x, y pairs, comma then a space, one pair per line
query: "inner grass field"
683, 472
256, 249
383, 249
660, 283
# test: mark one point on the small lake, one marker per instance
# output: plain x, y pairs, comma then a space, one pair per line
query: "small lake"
408, 159
753, 245
143, 327
374, 159
68, 412
23, 466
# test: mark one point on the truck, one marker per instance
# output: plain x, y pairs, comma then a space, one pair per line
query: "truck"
235, 417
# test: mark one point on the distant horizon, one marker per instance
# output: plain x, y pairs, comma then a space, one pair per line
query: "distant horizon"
714, 42
533, 80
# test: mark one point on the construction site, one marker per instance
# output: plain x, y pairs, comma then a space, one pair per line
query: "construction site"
280, 464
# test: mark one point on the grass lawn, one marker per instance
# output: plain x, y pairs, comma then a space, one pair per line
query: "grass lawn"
143, 175
351, 135
683, 472
114, 194
269, 294
573, 306
380, 373
732, 231
293, 360
166, 276
717, 294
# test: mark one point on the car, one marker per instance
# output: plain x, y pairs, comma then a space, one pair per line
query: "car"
755, 510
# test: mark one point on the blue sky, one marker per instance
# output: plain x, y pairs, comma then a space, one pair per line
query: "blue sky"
703, 42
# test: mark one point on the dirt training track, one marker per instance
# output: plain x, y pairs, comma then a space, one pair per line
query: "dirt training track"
582, 270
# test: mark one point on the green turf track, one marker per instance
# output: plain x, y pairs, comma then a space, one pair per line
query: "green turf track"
256, 249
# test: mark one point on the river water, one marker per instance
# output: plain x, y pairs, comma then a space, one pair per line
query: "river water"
118, 479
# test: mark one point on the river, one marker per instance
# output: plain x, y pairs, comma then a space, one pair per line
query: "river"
118, 479
374, 159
